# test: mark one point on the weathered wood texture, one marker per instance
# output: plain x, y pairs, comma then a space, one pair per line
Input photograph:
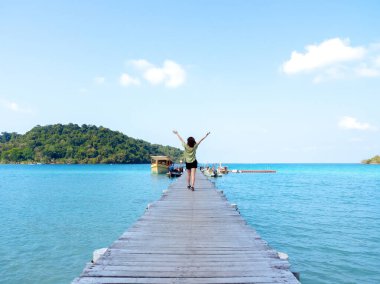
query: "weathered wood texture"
189, 237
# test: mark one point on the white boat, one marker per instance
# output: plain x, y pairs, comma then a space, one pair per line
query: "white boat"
222, 169
209, 172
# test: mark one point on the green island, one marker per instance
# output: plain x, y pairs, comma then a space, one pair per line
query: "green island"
74, 144
374, 160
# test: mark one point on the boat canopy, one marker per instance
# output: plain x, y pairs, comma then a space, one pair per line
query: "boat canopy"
161, 158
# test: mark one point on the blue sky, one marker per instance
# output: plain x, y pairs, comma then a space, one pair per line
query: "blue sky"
274, 81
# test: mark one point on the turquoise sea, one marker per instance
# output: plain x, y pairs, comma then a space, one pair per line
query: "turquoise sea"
326, 217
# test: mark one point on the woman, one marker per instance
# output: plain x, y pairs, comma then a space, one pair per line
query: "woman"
190, 158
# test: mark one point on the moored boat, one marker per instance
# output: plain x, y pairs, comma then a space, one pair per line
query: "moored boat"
173, 174
211, 172
222, 170
175, 171
160, 164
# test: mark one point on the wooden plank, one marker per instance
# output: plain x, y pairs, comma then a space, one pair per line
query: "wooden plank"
150, 264
194, 273
189, 237
167, 280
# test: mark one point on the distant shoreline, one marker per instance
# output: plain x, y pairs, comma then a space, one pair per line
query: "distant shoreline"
372, 161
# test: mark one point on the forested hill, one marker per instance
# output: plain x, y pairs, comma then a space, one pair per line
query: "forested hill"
73, 144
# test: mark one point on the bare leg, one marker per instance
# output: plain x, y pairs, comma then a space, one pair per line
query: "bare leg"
193, 176
188, 176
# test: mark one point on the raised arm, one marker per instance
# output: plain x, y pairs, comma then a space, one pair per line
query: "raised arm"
207, 134
180, 138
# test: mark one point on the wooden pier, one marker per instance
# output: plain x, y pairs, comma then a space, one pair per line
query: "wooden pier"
189, 237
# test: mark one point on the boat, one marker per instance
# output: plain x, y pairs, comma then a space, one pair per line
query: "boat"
174, 171
211, 172
173, 174
160, 164
222, 170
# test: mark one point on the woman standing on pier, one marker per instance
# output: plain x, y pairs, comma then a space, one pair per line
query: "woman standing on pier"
190, 158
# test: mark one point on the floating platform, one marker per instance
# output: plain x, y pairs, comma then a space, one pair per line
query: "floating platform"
189, 237
253, 171
257, 171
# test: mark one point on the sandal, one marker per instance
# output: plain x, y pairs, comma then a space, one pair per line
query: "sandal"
189, 186
192, 188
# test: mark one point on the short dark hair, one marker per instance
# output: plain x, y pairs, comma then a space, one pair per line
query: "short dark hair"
191, 142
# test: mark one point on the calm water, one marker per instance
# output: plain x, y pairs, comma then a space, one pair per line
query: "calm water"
326, 217
53, 216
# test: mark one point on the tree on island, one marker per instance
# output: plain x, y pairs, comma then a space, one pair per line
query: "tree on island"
374, 160
73, 144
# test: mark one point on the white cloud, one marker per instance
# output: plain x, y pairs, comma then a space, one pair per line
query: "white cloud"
154, 75
99, 80
326, 53
127, 80
348, 122
335, 59
15, 107
176, 75
141, 63
331, 73
171, 74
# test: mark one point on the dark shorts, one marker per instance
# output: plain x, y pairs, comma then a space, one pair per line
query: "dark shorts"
192, 165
